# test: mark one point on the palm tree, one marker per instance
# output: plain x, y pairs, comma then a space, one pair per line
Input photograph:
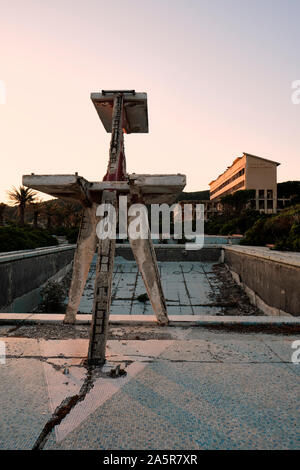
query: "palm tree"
21, 198
62, 213
68, 213
2, 210
49, 209
36, 207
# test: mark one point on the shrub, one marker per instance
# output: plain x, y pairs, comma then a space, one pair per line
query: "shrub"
282, 230
13, 238
143, 298
214, 225
229, 227
72, 234
292, 242
53, 295
256, 234
238, 200
223, 225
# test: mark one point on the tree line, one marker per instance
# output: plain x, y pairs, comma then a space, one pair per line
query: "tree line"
26, 208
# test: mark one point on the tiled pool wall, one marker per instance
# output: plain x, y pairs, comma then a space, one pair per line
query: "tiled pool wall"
210, 253
23, 273
210, 240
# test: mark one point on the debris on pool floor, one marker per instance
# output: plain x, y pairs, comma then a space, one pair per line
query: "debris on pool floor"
190, 288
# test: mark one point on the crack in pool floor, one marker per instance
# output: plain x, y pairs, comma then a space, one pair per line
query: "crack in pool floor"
64, 409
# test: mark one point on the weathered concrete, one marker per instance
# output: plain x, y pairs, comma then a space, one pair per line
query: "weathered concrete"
102, 293
82, 260
23, 274
116, 171
174, 320
155, 188
134, 103
199, 389
146, 260
271, 279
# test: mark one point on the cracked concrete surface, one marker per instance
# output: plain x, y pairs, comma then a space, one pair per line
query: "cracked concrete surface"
197, 389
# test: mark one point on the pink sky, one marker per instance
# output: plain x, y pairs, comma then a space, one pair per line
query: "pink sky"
218, 76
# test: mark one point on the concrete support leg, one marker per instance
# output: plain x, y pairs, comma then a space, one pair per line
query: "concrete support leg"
102, 294
145, 258
83, 257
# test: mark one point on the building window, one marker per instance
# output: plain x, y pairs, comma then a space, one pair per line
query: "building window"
270, 193
233, 189
261, 193
270, 203
230, 180
261, 204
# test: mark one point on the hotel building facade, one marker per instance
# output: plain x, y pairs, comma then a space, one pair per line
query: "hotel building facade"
249, 172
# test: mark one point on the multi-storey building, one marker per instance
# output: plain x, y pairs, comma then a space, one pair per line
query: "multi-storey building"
249, 172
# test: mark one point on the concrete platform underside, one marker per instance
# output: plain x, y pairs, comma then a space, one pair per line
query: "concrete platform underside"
194, 389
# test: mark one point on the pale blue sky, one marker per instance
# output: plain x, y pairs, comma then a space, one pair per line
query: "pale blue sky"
218, 75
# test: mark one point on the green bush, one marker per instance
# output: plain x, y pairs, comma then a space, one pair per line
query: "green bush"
224, 225
214, 225
59, 231
72, 234
282, 230
238, 200
143, 298
13, 238
256, 234
292, 241
229, 227
53, 295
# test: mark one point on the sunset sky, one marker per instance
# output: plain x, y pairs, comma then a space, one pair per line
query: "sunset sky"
218, 74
